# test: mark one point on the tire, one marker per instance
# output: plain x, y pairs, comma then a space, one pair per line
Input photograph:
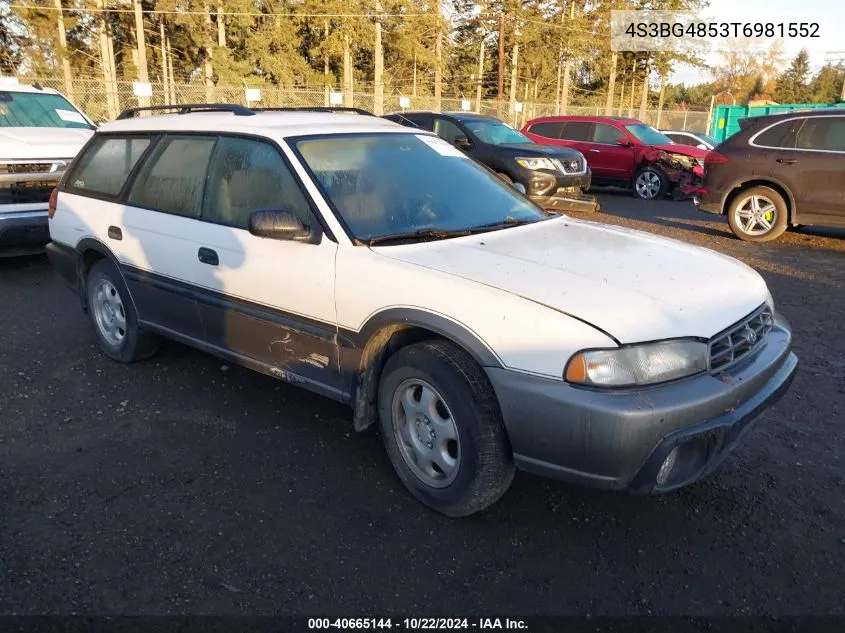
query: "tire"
113, 316
650, 183
758, 214
477, 465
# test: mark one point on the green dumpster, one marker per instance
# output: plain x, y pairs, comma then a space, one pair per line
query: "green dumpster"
726, 117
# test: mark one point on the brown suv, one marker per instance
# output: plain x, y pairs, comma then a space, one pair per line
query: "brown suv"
777, 171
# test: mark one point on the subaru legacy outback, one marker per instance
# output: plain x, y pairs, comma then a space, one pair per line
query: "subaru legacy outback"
379, 266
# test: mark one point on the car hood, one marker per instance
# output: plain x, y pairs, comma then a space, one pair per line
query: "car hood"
685, 150
539, 149
42, 142
632, 285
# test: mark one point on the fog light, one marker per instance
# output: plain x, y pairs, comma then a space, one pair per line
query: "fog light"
667, 466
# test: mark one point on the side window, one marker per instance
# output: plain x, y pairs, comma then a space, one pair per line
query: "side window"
246, 176
106, 164
824, 133
577, 131
447, 130
780, 135
173, 179
549, 129
607, 134
682, 139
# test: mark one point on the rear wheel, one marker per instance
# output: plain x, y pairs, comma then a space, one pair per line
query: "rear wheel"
758, 214
442, 428
113, 316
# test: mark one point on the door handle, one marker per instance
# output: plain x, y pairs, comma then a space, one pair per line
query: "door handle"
115, 233
208, 256
787, 161
595, 150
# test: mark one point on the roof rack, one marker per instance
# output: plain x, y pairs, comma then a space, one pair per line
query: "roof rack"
316, 109
237, 110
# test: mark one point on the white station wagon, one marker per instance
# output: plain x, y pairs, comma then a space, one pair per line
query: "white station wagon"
381, 267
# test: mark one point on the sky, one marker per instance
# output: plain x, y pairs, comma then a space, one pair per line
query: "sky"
829, 14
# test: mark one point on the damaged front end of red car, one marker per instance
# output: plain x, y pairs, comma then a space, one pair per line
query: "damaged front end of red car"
685, 173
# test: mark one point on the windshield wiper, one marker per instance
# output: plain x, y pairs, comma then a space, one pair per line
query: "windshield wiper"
502, 224
438, 234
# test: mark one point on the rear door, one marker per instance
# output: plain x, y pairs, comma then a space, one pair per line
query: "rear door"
577, 134
159, 222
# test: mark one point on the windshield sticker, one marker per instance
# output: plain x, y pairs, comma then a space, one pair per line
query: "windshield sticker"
70, 116
440, 146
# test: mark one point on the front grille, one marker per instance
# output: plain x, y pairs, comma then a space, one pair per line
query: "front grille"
739, 340
41, 167
570, 165
25, 192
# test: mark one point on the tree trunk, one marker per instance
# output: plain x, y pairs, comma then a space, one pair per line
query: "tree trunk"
221, 27
564, 93
209, 53
438, 68
514, 66
480, 75
106, 63
414, 93
644, 97
141, 42
378, 92
633, 90
68, 78
557, 81
621, 98
611, 86
164, 82
172, 76
326, 89
661, 99
347, 72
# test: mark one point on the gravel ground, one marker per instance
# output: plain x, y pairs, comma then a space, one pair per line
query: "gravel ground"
180, 485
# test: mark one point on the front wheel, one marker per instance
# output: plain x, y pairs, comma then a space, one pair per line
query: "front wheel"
758, 214
650, 184
442, 428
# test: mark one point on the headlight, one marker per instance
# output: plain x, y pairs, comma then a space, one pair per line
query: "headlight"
638, 364
536, 163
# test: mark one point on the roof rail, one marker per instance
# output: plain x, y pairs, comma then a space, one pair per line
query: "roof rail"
237, 110
316, 109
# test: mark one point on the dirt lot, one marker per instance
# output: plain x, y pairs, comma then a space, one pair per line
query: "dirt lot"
178, 485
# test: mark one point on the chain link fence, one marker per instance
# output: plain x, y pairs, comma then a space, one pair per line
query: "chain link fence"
92, 95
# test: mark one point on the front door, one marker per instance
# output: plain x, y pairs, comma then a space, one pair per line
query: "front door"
271, 301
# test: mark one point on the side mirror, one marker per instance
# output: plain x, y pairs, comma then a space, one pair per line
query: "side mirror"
519, 187
280, 224
624, 142
462, 142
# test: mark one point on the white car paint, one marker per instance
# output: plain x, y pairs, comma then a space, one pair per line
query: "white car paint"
534, 295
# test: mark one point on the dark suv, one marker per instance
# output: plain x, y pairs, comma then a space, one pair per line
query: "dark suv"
777, 171
553, 177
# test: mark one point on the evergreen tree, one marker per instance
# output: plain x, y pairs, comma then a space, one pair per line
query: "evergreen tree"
792, 84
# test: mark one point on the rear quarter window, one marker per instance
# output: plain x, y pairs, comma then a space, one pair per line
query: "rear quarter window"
548, 129
779, 135
106, 164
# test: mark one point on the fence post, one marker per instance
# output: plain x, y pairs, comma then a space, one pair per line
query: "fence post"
686, 112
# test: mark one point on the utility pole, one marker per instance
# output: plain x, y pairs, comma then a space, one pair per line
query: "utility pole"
611, 85
560, 52
633, 90
514, 68
348, 99
378, 97
60, 23
221, 27
172, 76
208, 68
501, 90
567, 68
326, 89
107, 62
480, 73
141, 41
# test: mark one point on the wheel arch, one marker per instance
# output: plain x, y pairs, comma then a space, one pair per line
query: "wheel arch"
385, 333
782, 189
90, 252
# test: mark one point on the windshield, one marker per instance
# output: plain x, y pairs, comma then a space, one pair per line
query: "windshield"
394, 184
38, 109
495, 132
647, 135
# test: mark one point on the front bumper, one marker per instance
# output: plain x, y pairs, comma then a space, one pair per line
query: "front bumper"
556, 191
619, 439
23, 232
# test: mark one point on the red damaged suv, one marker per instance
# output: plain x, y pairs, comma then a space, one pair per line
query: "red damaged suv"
626, 152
